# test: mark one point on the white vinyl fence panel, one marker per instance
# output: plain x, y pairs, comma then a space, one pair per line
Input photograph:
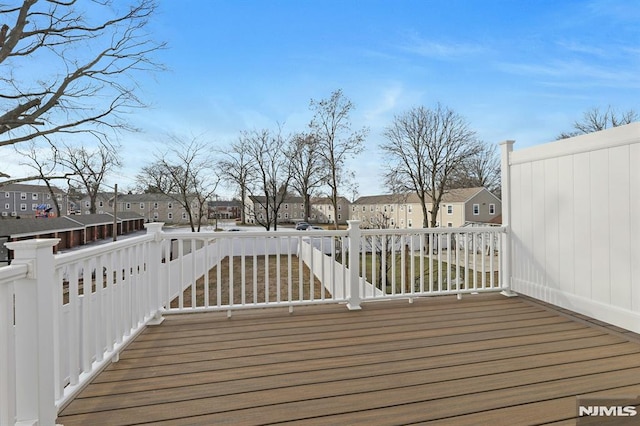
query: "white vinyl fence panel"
575, 223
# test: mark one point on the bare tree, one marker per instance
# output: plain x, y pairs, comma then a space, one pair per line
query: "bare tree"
479, 170
45, 164
269, 154
237, 170
90, 167
337, 142
424, 148
594, 120
92, 52
308, 168
185, 172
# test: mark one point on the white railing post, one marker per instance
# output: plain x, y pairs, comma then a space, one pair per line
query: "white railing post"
36, 328
157, 280
355, 235
506, 149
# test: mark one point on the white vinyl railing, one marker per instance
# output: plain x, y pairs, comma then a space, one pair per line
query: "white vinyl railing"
64, 317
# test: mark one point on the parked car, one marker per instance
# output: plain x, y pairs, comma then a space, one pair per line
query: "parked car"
313, 227
301, 226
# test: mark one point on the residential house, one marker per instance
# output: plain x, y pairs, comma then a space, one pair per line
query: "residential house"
155, 207
387, 211
21, 200
322, 210
103, 204
291, 210
225, 209
458, 207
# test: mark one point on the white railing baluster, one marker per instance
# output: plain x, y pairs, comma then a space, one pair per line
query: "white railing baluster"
243, 267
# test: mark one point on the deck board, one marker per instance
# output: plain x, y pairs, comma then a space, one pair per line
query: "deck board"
482, 359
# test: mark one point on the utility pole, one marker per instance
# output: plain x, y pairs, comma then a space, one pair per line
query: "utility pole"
115, 209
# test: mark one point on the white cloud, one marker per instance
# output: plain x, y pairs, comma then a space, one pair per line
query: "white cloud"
441, 49
576, 73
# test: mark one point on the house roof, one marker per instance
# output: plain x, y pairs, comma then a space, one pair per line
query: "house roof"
31, 226
385, 199
288, 199
327, 200
20, 227
149, 196
459, 195
20, 187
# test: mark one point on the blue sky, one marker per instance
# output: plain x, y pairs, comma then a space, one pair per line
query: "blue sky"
522, 70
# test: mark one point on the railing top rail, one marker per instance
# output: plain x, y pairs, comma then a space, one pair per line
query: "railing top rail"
88, 252
211, 235
12, 272
413, 231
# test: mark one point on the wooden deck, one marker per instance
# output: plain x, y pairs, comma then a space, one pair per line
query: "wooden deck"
480, 360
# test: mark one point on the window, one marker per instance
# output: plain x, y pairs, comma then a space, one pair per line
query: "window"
127, 206
492, 209
34, 207
364, 208
286, 215
169, 205
7, 195
476, 209
23, 207
100, 203
5, 214
449, 225
6, 206
155, 205
339, 206
23, 195
155, 215
449, 209
371, 208
353, 208
141, 206
184, 215
86, 204
339, 216
392, 207
48, 196
170, 215
286, 206
34, 196
409, 208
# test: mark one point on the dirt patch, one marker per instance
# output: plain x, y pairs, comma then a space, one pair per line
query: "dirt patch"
263, 282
